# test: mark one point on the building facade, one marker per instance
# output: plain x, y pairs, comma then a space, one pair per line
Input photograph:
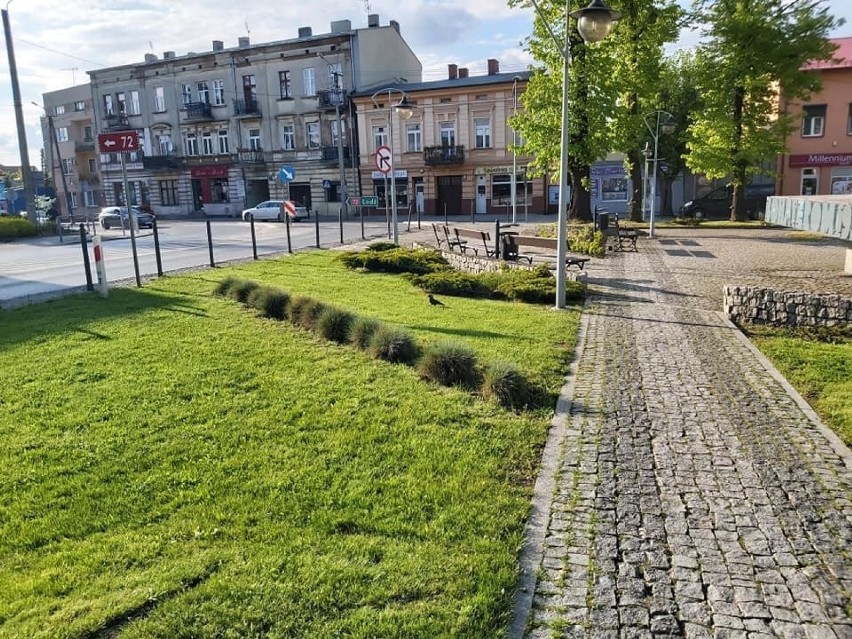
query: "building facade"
215, 128
819, 153
453, 155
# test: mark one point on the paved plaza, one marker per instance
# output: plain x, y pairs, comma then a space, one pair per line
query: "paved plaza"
687, 490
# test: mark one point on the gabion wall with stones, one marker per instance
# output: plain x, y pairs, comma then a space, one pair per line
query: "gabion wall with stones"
746, 304
470, 263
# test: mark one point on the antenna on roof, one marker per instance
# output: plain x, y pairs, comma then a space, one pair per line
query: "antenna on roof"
248, 31
73, 71
367, 7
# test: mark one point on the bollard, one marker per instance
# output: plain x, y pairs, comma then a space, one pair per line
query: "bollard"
446, 221
253, 237
340, 221
361, 215
59, 230
157, 248
316, 225
100, 266
210, 244
86, 264
497, 239
287, 224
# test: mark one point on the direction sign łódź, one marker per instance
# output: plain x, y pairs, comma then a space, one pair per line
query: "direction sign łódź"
118, 141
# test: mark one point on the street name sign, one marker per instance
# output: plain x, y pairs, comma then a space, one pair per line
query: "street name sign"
364, 200
118, 141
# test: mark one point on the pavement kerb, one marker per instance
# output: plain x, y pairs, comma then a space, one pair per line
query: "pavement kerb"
543, 491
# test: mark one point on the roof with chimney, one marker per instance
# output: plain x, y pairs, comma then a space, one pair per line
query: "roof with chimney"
458, 78
840, 59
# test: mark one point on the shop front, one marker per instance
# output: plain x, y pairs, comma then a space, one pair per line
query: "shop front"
211, 190
819, 174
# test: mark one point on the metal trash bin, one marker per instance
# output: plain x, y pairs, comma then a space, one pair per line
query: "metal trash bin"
603, 221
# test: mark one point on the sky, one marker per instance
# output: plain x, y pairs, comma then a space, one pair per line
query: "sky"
55, 45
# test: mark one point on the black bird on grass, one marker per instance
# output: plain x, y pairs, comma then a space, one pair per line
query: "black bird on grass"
435, 302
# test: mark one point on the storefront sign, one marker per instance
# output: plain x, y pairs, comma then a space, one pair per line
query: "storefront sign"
209, 171
821, 159
397, 173
491, 170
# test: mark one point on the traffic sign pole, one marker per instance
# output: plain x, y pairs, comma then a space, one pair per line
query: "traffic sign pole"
130, 219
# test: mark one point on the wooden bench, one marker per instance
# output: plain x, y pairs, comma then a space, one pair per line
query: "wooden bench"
474, 234
621, 237
512, 249
453, 242
438, 238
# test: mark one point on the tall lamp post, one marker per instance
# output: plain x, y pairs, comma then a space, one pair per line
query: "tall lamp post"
405, 109
594, 23
514, 193
668, 128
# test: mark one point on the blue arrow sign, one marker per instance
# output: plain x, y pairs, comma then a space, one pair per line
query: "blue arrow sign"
286, 174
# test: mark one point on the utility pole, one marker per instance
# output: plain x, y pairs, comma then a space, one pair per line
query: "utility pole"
26, 174
55, 141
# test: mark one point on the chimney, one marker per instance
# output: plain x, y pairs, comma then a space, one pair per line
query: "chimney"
493, 66
218, 45
453, 71
243, 42
305, 32
395, 25
150, 57
462, 73
341, 26
168, 55
373, 20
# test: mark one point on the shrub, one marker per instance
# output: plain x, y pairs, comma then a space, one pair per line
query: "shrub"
240, 290
450, 364
382, 246
223, 287
271, 302
394, 345
362, 331
396, 260
506, 384
582, 238
15, 226
535, 286
305, 311
454, 283
335, 323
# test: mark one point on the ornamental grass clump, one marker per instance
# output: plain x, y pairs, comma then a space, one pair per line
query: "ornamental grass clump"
270, 301
240, 290
224, 286
305, 311
450, 364
394, 345
506, 384
335, 324
362, 330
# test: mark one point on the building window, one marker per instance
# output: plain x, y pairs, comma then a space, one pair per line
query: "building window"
249, 88
335, 75
93, 165
841, 181
109, 109
284, 84
813, 121
380, 137
203, 92
254, 140
73, 197
159, 100
121, 102
135, 108
88, 136
413, 139
89, 198
335, 131
207, 143
169, 192
219, 191
218, 92
224, 147
448, 133
614, 189
62, 134
67, 166
164, 143
810, 182
59, 109
191, 144
288, 137
313, 134
310, 82
185, 94
482, 131
80, 105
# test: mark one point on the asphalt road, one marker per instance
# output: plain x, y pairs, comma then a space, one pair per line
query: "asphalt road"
41, 267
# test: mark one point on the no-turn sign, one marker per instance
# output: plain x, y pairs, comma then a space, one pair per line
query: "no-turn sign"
384, 159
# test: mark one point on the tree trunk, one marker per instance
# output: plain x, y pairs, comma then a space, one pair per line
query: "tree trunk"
635, 206
581, 207
738, 212
666, 197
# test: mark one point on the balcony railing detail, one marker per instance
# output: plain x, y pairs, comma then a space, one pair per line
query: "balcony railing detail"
331, 98
198, 111
443, 155
162, 162
246, 107
81, 146
251, 157
116, 121
329, 153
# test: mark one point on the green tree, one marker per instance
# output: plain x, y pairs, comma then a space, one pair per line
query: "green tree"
752, 50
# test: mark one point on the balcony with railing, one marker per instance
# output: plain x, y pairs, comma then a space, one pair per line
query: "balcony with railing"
443, 155
163, 162
329, 99
249, 107
197, 111
86, 144
116, 121
329, 154
251, 156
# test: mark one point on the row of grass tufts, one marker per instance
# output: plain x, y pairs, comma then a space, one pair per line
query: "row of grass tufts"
446, 363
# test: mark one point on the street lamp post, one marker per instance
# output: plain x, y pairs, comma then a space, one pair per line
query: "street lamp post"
668, 127
405, 109
594, 23
514, 188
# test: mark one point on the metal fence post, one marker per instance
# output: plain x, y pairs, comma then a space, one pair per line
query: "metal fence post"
287, 224
157, 249
497, 239
340, 221
316, 225
361, 215
86, 264
253, 237
210, 244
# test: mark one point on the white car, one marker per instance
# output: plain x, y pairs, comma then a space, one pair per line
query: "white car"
271, 210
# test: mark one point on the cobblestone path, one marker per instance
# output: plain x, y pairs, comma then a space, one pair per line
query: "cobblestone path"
693, 496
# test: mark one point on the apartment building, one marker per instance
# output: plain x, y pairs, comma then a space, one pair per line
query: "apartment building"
68, 131
216, 127
453, 154
819, 154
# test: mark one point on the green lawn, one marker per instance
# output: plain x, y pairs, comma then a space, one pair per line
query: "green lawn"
173, 466
820, 370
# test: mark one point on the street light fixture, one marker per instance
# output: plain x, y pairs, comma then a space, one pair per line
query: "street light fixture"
668, 128
406, 110
594, 23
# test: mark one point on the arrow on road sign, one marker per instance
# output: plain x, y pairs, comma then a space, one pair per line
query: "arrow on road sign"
286, 174
384, 159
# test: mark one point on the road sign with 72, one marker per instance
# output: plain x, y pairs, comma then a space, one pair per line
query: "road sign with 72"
118, 141
384, 159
